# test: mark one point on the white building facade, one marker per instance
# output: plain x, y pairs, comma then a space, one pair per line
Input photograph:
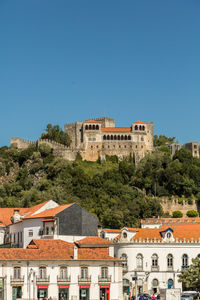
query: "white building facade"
152, 259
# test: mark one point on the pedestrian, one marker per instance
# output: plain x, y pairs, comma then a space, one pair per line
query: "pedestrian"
153, 297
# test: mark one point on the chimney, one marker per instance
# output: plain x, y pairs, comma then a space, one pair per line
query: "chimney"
75, 252
16, 216
111, 251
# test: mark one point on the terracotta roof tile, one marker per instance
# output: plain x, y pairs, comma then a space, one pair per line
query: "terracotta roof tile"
49, 212
170, 220
91, 121
114, 129
139, 122
53, 250
93, 240
112, 230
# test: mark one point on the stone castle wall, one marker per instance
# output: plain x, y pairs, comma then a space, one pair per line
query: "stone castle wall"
170, 205
58, 149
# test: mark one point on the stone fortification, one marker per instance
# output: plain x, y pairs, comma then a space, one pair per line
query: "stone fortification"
170, 205
58, 149
99, 137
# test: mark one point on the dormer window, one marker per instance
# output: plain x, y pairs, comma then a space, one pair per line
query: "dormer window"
169, 235
124, 235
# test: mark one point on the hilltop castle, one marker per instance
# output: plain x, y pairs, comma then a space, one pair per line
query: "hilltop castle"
99, 137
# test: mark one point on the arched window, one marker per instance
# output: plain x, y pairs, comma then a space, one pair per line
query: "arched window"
185, 261
155, 260
104, 272
17, 273
140, 127
198, 256
125, 138
155, 282
111, 137
42, 272
108, 137
170, 283
124, 261
169, 261
139, 261
129, 137
115, 137
122, 137
97, 127
63, 272
104, 137
90, 127
143, 127
86, 127
136, 127
118, 137
93, 127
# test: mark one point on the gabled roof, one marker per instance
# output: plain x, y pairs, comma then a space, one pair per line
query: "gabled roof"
112, 230
52, 212
93, 241
7, 213
91, 121
138, 122
43, 249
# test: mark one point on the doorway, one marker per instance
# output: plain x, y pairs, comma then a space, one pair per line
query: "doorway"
16, 292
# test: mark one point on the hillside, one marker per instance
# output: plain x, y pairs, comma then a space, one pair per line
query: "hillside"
117, 192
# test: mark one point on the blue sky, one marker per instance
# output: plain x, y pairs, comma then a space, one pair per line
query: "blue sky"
68, 60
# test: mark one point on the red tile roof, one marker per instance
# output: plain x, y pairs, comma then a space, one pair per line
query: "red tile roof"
54, 250
91, 121
94, 241
7, 213
139, 122
112, 230
49, 212
170, 220
114, 129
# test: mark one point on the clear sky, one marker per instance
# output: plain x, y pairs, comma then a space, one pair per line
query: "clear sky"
68, 60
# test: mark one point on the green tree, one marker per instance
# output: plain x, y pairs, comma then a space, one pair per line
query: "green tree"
55, 133
162, 140
192, 213
190, 277
177, 214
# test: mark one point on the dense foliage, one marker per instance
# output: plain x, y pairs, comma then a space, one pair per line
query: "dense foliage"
190, 277
117, 192
55, 133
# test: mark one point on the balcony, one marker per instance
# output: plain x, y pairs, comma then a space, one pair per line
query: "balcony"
125, 269
86, 279
44, 279
104, 279
154, 268
17, 280
183, 268
64, 279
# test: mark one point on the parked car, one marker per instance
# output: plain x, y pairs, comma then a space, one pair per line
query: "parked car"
189, 295
144, 296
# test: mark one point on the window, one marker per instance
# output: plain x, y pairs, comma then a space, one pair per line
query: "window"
124, 261
185, 261
198, 256
47, 230
169, 261
84, 272
124, 235
155, 282
21, 236
63, 272
42, 272
169, 235
17, 272
104, 272
170, 283
139, 261
30, 233
154, 260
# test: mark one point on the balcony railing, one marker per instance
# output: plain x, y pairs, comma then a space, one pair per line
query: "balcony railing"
42, 279
84, 279
64, 279
104, 279
184, 268
16, 280
154, 268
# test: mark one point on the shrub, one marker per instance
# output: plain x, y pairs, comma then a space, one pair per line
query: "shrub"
177, 214
192, 213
